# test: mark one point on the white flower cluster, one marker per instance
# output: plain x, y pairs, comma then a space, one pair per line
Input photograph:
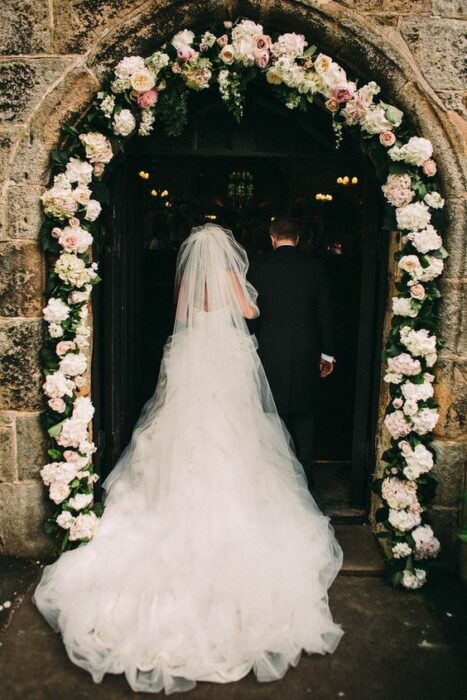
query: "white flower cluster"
415, 579
419, 459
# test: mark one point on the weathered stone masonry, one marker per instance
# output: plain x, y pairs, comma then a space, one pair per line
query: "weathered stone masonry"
52, 55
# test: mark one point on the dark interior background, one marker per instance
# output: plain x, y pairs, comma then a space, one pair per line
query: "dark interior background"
242, 175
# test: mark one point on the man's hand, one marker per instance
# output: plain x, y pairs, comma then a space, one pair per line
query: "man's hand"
325, 368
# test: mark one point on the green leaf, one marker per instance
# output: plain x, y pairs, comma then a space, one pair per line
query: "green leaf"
54, 454
55, 429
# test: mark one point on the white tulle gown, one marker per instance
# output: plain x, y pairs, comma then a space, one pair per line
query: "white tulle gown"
212, 558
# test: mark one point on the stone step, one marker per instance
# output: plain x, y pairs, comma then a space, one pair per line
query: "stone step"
362, 553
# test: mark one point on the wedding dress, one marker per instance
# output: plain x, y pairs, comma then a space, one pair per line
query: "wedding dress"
212, 558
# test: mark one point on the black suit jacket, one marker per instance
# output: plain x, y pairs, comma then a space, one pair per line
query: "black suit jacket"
295, 324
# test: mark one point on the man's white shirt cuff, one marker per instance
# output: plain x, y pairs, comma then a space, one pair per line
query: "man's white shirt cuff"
328, 358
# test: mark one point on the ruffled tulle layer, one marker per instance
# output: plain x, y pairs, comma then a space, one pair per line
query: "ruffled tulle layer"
212, 558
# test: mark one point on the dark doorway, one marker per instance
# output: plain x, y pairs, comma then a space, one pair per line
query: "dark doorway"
241, 176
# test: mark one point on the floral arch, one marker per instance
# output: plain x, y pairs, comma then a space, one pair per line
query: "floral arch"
140, 95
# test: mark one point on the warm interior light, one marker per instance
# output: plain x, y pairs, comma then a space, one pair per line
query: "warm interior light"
346, 180
143, 175
164, 193
154, 193
339, 181
354, 180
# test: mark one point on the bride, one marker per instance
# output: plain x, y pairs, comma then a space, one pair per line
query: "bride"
212, 558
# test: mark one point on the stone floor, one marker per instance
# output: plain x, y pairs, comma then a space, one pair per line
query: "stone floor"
396, 644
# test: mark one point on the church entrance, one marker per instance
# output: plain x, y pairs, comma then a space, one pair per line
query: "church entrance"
241, 176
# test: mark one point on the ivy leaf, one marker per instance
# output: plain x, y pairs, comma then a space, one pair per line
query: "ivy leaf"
55, 429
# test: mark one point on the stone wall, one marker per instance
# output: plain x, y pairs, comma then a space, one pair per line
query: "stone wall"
52, 56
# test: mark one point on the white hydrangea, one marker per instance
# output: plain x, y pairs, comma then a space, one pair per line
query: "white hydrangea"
73, 433
98, 148
417, 392
419, 461
426, 239
63, 472
419, 343
404, 520
72, 270
399, 494
65, 519
127, 66
72, 364
413, 216
83, 409
58, 201
56, 385
79, 171
425, 420
397, 424
83, 527
400, 550
434, 269
375, 121
56, 310
404, 364
426, 544
413, 580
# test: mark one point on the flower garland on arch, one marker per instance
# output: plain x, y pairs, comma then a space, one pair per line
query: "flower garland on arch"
142, 94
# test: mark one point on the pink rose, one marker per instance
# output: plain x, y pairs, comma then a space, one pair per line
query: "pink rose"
343, 92
223, 40
64, 346
98, 169
56, 232
73, 222
57, 405
203, 47
186, 53
147, 99
308, 62
387, 138
262, 59
69, 240
417, 291
429, 167
176, 68
332, 104
263, 43
397, 403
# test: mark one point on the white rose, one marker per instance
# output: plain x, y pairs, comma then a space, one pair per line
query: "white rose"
124, 123
93, 210
434, 200
402, 307
375, 122
80, 501
183, 39
142, 80
415, 152
409, 263
56, 385
404, 364
72, 434
65, 519
58, 491
417, 392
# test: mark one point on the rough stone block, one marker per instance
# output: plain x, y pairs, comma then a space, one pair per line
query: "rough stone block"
23, 507
451, 393
455, 239
451, 463
455, 100
21, 279
23, 83
25, 27
31, 446
453, 316
64, 104
23, 213
143, 31
78, 23
449, 8
9, 136
439, 46
20, 372
8, 470
415, 7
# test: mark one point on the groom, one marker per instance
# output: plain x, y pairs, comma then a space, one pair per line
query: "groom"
294, 331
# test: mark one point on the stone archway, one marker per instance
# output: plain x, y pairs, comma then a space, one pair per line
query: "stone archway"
351, 38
